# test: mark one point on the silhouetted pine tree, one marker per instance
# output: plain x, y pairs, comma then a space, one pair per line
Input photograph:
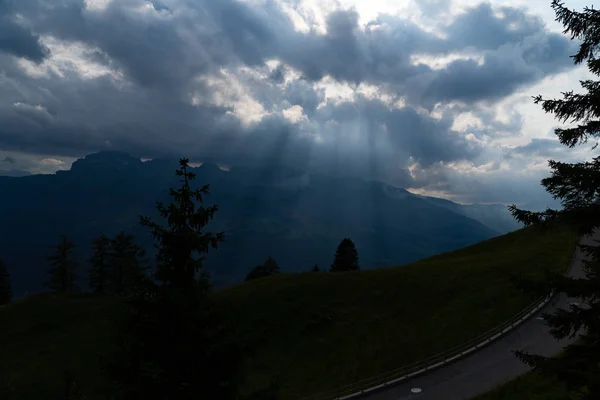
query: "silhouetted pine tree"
172, 343
315, 268
271, 266
578, 187
5, 285
345, 258
62, 272
99, 266
126, 261
268, 268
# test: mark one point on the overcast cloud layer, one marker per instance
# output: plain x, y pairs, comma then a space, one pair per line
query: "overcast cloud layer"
434, 97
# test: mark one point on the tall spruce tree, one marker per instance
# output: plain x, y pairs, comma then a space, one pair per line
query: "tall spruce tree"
62, 272
5, 285
126, 265
578, 187
172, 343
99, 266
345, 258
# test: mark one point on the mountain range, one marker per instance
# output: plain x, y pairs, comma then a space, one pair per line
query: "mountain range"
296, 217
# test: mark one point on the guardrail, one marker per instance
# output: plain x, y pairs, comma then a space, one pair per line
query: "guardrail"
400, 374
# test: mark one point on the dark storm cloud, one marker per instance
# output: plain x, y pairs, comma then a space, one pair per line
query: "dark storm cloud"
500, 75
171, 45
9, 160
367, 137
540, 148
97, 114
482, 28
161, 49
517, 50
18, 40
348, 54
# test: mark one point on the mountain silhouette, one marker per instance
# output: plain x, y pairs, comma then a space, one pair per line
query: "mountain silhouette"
295, 217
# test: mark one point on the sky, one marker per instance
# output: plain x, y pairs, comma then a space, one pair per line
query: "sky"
430, 95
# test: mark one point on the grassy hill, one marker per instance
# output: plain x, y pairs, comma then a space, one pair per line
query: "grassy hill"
534, 385
530, 386
315, 330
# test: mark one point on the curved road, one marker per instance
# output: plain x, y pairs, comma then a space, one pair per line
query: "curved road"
494, 364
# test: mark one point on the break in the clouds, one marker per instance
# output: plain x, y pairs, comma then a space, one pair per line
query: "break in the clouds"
428, 97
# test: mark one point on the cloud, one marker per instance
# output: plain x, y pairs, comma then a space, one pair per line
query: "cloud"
508, 174
18, 164
432, 8
167, 47
515, 49
500, 74
484, 27
17, 39
491, 187
160, 46
540, 147
236, 82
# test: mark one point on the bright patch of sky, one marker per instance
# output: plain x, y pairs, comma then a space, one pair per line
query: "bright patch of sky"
227, 90
96, 5
67, 58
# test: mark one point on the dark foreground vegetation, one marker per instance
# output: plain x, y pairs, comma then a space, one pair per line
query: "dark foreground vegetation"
308, 331
575, 374
531, 386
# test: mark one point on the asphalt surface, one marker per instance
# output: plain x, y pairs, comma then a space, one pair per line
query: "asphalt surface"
494, 364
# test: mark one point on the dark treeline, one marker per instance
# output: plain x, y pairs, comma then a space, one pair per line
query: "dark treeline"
172, 342
5, 285
345, 259
577, 185
119, 266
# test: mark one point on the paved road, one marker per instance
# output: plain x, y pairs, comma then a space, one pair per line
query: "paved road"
492, 365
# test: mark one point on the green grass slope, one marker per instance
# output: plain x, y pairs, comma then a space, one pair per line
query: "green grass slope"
321, 330
43, 336
313, 331
530, 386
533, 385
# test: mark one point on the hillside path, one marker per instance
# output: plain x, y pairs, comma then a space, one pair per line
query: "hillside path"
494, 364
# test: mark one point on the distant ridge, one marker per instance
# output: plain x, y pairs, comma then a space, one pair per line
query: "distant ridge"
298, 218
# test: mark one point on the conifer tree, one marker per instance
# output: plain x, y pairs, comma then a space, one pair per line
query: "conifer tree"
62, 272
99, 266
315, 268
271, 266
577, 185
126, 262
345, 258
268, 268
5, 285
172, 343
